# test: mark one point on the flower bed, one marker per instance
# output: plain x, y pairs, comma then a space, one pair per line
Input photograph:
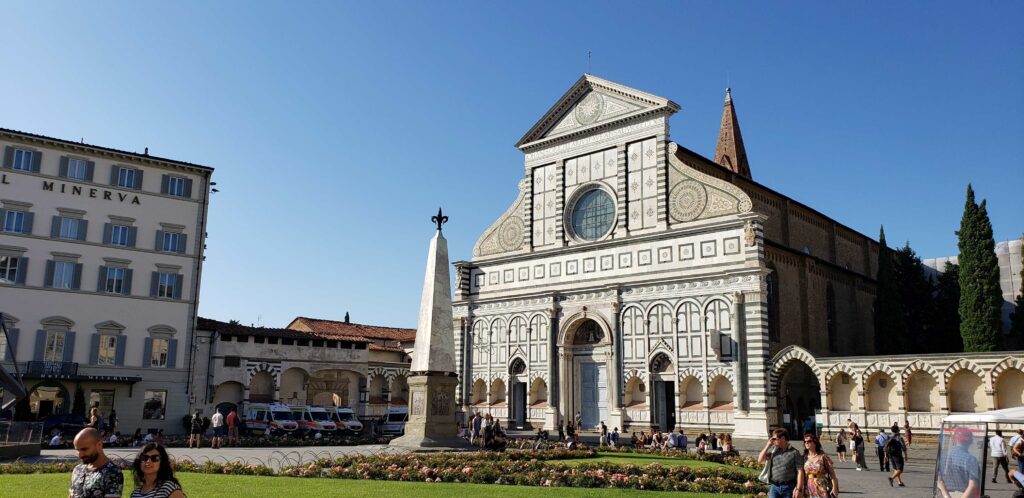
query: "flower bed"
529, 469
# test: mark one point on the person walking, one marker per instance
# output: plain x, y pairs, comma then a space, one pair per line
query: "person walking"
880, 440
195, 433
112, 421
906, 432
219, 430
858, 450
997, 450
153, 474
477, 424
614, 438
96, 476
896, 455
960, 475
841, 444
603, 441
578, 422
785, 466
819, 469
1017, 449
561, 430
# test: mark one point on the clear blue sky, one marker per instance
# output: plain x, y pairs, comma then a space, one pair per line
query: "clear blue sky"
337, 128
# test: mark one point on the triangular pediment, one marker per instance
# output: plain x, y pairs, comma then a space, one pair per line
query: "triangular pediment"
593, 103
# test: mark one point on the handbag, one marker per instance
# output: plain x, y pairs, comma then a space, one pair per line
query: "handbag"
766, 472
828, 477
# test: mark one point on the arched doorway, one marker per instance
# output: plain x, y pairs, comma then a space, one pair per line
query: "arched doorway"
587, 349
48, 398
261, 388
228, 393
663, 392
518, 378
798, 395
332, 387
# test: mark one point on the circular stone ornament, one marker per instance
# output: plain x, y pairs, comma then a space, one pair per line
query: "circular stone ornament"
590, 108
510, 235
687, 200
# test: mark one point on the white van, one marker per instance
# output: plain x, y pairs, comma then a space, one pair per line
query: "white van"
312, 419
270, 418
346, 420
394, 421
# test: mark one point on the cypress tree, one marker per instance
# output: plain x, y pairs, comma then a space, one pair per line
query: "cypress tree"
1017, 318
78, 404
890, 328
915, 291
944, 319
980, 295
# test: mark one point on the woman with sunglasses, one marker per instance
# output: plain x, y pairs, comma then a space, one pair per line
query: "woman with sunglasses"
154, 477
819, 470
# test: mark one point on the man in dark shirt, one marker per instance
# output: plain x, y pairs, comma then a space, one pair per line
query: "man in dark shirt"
785, 466
96, 476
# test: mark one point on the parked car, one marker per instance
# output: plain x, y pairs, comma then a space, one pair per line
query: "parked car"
394, 421
66, 423
346, 420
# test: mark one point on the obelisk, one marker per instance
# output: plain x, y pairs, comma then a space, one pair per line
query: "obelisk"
432, 377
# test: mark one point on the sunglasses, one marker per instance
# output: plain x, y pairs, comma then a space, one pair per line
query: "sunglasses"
149, 458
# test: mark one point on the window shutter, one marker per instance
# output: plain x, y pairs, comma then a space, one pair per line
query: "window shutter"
63, 169
182, 240
119, 352
48, 279
108, 233
19, 278
94, 350
37, 158
90, 166
76, 281
114, 170
159, 240
37, 355
3, 218
127, 287
69, 347
132, 232
12, 345
138, 179
178, 283
55, 227
101, 282
83, 228
172, 353
147, 353
27, 222
8, 157
154, 283
165, 181
188, 188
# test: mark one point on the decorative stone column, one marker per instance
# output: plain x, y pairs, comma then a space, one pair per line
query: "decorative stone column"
551, 417
740, 365
615, 411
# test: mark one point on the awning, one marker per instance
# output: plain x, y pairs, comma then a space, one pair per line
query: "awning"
1004, 416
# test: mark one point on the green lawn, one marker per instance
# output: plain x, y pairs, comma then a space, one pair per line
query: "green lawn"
216, 486
645, 459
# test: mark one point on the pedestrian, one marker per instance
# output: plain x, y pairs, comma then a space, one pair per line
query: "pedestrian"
153, 475
896, 455
785, 466
895, 427
1017, 449
906, 432
561, 430
196, 430
614, 437
727, 447
841, 444
682, 440
219, 429
57, 441
232, 421
819, 469
858, 450
137, 437
997, 450
960, 474
603, 441
477, 426
579, 421
96, 476
809, 425
112, 421
95, 419
880, 440
712, 441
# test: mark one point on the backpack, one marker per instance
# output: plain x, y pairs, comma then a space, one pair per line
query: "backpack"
894, 447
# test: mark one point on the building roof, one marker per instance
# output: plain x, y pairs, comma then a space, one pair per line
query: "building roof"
730, 151
353, 329
231, 329
393, 349
81, 145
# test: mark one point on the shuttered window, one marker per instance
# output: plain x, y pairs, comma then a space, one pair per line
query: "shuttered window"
107, 353
22, 160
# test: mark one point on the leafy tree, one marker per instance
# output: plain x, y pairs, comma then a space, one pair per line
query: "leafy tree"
915, 291
980, 296
890, 327
944, 317
1017, 318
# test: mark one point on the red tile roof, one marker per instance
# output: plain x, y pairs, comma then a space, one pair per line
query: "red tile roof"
230, 329
377, 347
354, 329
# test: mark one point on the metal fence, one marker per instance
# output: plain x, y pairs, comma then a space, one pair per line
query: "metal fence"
12, 433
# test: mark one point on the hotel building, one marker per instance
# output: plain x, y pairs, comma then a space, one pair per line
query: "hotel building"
101, 255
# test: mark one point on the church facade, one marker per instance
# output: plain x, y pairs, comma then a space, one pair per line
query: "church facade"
635, 282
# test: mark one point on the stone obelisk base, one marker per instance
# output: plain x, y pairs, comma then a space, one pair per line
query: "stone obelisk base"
431, 422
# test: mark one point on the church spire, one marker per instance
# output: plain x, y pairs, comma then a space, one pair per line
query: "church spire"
730, 152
